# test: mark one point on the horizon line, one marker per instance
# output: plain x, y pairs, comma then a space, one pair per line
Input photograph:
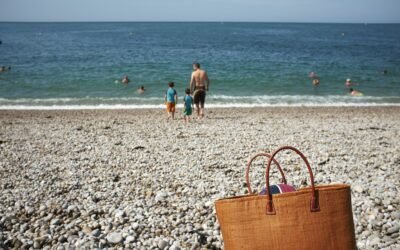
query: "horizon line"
302, 22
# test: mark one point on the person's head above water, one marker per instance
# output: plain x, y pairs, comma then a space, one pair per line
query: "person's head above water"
171, 84
351, 90
348, 80
125, 79
187, 91
196, 65
142, 87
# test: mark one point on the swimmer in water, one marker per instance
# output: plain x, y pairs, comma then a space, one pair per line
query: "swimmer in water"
141, 90
315, 79
5, 69
348, 82
125, 80
385, 72
355, 92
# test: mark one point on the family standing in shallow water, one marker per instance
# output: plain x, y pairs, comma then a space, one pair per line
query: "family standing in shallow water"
199, 85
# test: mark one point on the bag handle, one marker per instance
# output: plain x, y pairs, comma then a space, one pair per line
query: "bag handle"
251, 161
314, 204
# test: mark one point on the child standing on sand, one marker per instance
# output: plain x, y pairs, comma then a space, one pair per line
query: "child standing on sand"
187, 105
171, 99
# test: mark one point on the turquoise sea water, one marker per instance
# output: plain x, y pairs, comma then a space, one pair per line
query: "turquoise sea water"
71, 65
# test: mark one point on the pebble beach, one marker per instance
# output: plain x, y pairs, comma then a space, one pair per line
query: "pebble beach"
128, 179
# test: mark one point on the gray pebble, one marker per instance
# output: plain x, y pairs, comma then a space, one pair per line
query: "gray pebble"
162, 244
23, 228
114, 238
374, 241
358, 189
55, 222
71, 208
395, 215
174, 247
393, 229
130, 239
96, 232
386, 238
62, 239
37, 244
30, 211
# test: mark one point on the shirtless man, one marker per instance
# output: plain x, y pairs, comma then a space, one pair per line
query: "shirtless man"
199, 84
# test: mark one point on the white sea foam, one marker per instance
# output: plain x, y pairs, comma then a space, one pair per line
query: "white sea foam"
213, 101
79, 107
328, 98
237, 105
82, 99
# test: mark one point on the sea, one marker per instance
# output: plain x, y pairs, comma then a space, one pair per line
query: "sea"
80, 65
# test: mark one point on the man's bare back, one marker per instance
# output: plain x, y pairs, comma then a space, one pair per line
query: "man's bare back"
199, 84
199, 80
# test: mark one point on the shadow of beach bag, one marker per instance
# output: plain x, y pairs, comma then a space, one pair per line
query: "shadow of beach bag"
316, 217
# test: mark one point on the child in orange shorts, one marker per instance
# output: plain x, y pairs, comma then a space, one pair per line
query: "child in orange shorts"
171, 99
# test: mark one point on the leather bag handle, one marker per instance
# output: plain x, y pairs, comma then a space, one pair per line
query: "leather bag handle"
251, 161
314, 204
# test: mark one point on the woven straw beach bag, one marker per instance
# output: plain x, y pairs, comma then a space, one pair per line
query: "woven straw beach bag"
316, 217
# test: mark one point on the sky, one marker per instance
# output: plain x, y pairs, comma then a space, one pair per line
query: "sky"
336, 11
